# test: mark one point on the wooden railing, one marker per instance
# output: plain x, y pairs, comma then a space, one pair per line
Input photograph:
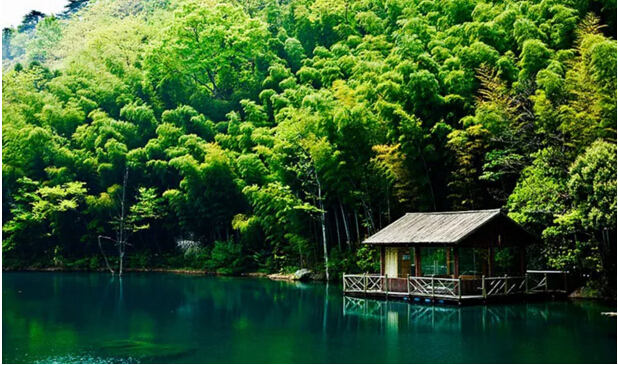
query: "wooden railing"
547, 281
503, 285
440, 287
367, 308
434, 287
364, 283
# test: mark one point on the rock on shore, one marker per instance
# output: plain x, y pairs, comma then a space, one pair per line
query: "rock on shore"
299, 275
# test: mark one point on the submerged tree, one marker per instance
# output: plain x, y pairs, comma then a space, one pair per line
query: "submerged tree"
131, 219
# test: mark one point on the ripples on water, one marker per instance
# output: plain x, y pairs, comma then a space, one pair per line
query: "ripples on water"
84, 359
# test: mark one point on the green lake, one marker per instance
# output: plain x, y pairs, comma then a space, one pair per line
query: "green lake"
148, 317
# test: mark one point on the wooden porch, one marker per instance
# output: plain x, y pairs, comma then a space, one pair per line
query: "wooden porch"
460, 290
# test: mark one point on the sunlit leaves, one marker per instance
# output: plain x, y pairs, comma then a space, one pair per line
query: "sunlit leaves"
592, 183
261, 126
212, 47
148, 208
534, 57
38, 211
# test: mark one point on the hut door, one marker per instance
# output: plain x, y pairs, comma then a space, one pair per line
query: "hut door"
404, 263
391, 262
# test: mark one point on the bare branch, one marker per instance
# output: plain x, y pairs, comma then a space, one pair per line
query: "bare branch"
103, 253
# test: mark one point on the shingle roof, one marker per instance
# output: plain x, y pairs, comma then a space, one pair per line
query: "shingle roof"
434, 227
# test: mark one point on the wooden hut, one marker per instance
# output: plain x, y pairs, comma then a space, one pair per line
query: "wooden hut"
453, 243
465, 254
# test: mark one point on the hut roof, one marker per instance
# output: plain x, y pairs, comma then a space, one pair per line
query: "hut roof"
439, 228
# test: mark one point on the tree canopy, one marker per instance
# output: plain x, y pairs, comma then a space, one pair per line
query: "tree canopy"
280, 133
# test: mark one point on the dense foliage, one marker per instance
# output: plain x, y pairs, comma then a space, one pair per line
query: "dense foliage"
278, 134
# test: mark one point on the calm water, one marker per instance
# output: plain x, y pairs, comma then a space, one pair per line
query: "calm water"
64, 317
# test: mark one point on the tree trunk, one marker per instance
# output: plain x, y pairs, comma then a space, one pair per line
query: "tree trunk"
122, 241
345, 226
323, 223
372, 227
121, 263
338, 234
103, 253
358, 236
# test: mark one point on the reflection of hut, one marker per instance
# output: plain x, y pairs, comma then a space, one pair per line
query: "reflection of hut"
400, 316
453, 244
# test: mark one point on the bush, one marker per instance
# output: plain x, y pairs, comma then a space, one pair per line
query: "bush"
340, 262
263, 261
78, 264
368, 258
94, 263
226, 258
139, 260
196, 258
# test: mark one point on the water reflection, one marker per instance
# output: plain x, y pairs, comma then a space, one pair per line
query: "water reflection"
450, 318
49, 317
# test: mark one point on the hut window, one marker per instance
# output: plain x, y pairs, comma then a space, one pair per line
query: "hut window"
437, 261
507, 261
473, 261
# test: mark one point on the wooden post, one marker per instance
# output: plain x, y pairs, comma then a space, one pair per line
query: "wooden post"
506, 284
432, 288
417, 261
448, 261
365, 286
546, 286
456, 254
526, 279
483, 286
459, 287
343, 282
408, 285
386, 285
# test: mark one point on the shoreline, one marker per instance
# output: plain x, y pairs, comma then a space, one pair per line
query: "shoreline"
62, 269
271, 276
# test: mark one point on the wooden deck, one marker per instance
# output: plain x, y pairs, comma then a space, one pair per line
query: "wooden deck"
432, 289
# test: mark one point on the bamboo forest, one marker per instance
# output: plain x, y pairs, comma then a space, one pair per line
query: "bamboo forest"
266, 136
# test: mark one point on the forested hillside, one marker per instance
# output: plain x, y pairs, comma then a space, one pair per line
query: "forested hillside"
271, 135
